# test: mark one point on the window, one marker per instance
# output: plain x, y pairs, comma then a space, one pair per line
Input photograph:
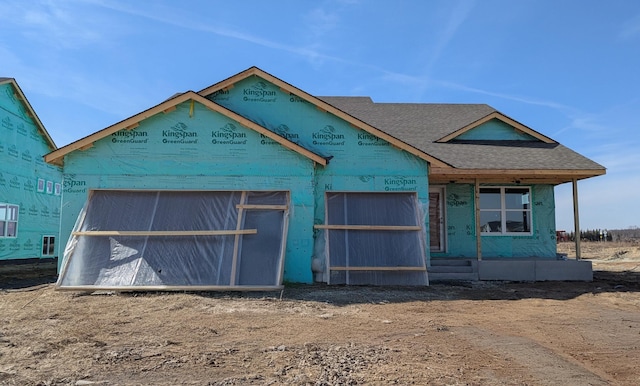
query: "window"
505, 210
8, 220
48, 246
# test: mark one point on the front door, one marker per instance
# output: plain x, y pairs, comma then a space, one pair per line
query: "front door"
436, 219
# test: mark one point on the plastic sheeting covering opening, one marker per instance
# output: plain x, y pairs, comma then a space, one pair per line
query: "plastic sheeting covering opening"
375, 238
182, 240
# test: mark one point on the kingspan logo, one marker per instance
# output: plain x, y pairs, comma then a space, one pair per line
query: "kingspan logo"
129, 136
21, 129
400, 184
454, 199
72, 185
367, 139
259, 92
33, 210
178, 133
228, 135
28, 245
296, 99
13, 151
283, 131
220, 95
28, 185
6, 123
14, 182
328, 136
26, 156
9, 92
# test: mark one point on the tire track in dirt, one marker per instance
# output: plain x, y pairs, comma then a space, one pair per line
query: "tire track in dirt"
538, 361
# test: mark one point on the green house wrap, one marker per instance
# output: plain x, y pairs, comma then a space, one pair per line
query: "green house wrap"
30, 189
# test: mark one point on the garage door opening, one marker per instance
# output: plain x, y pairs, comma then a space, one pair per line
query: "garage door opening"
374, 238
178, 240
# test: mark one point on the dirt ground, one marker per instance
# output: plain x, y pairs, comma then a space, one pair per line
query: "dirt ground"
473, 333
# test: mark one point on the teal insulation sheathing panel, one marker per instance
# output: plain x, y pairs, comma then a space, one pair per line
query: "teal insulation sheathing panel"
202, 150
460, 227
26, 180
495, 130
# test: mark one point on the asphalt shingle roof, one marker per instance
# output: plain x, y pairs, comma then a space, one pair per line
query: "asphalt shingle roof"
422, 124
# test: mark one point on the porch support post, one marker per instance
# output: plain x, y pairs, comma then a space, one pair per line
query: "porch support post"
476, 203
576, 219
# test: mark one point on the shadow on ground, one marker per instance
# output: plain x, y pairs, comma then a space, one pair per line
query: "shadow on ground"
22, 276
25, 277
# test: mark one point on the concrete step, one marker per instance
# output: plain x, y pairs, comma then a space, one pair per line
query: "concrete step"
452, 276
451, 268
451, 262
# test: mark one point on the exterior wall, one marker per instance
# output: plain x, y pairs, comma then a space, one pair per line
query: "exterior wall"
26, 180
360, 162
460, 223
207, 151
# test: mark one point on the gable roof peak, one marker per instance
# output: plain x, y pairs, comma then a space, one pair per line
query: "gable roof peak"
500, 117
169, 105
30, 111
326, 106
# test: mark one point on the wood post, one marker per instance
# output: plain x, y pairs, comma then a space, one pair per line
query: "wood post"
576, 219
476, 202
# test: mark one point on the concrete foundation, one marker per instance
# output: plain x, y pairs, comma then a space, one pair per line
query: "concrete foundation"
535, 270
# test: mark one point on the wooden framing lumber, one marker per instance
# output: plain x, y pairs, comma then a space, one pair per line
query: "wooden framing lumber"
236, 242
168, 233
404, 268
195, 288
476, 203
262, 207
576, 219
510, 176
371, 227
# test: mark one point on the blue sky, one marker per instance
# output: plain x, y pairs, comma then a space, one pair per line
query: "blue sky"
568, 69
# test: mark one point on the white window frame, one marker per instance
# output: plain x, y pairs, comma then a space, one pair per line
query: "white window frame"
504, 210
46, 242
10, 215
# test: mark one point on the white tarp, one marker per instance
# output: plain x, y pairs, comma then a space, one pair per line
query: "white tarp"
134, 240
375, 238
